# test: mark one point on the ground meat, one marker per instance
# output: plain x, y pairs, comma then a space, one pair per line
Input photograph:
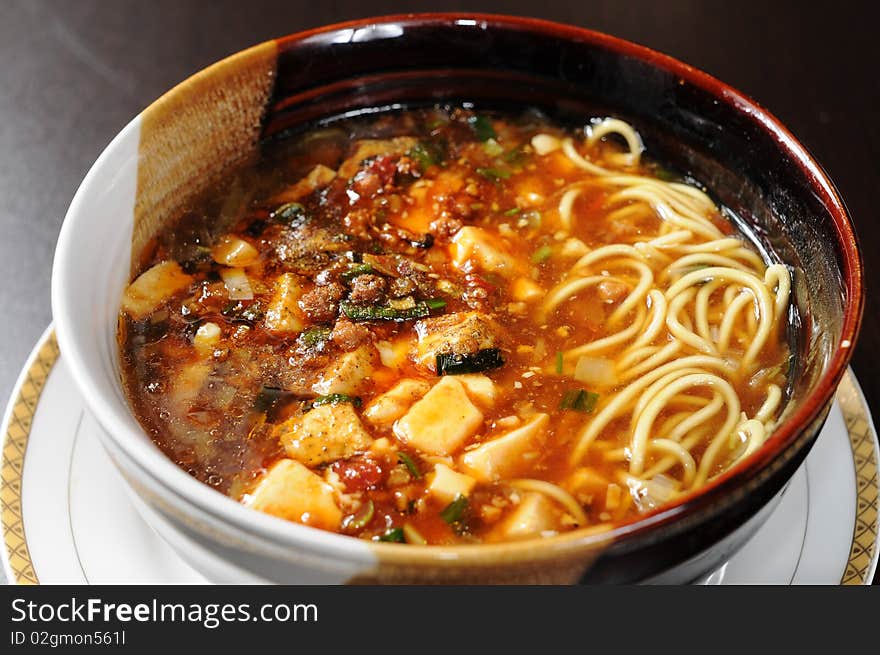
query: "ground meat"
349, 335
322, 303
478, 292
331, 274
425, 285
368, 289
359, 473
359, 222
375, 177
400, 287
445, 227
407, 166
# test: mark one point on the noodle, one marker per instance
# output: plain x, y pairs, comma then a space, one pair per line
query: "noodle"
693, 294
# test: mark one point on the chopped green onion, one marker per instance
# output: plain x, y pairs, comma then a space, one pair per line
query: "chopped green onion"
579, 400
542, 254
453, 512
435, 303
420, 309
267, 397
413, 536
559, 362
236, 311
512, 212
492, 148
355, 270
426, 155
334, 398
494, 174
316, 335
515, 157
458, 364
408, 462
482, 127
361, 518
393, 535
288, 212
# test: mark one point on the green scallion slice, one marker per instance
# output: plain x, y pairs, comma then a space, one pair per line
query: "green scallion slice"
482, 127
542, 254
355, 270
458, 364
453, 512
408, 462
394, 535
579, 400
361, 519
494, 174
335, 398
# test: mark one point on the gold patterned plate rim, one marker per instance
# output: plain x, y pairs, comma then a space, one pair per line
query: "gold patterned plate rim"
26, 394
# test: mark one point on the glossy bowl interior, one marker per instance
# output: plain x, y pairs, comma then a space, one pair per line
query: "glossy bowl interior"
687, 119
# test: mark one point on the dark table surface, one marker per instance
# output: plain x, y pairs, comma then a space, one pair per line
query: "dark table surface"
74, 73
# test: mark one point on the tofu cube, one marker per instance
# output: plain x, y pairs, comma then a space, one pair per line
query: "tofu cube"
533, 515
459, 333
478, 246
291, 491
442, 421
319, 177
480, 388
524, 290
391, 405
282, 314
153, 287
349, 372
510, 455
323, 435
445, 484
586, 484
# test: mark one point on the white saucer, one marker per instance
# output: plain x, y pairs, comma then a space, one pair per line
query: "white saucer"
67, 517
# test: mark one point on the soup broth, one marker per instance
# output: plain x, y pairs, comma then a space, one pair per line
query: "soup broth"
439, 326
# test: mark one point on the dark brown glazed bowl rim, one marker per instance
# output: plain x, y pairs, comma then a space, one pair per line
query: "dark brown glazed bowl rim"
810, 409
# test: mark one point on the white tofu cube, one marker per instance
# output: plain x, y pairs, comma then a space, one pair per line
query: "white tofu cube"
510, 455
282, 314
445, 484
319, 177
533, 515
523, 289
442, 421
291, 491
459, 333
480, 388
153, 287
324, 434
391, 405
481, 247
348, 373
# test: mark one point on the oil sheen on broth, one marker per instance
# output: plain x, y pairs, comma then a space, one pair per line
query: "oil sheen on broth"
438, 326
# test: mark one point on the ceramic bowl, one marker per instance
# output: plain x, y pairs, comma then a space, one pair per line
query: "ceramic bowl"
688, 119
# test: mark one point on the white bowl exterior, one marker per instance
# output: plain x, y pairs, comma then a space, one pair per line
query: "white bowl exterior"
91, 269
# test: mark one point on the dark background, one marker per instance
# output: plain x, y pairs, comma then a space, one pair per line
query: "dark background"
73, 73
